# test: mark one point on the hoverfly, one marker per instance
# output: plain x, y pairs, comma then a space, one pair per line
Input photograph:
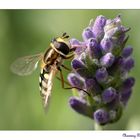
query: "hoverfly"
51, 62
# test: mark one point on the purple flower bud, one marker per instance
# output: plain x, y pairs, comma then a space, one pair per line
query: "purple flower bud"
77, 64
87, 34
92, 86
127, 51
127, 64
128, 84
121, 38
100, 21
75, 80
93, 48
114, 30
108, 95
115, 103
80, 106
101, 75
125, 95
101, 116
107, 60
79, 67
79, 50
106, 45
98, 27
112, 26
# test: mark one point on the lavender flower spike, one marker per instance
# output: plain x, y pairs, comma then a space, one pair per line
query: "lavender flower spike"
101, 67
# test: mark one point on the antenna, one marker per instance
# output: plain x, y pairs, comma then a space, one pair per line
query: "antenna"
64, 35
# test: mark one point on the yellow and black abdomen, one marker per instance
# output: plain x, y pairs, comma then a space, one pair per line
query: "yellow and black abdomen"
45, 83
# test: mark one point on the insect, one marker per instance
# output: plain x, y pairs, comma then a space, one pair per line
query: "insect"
51, 63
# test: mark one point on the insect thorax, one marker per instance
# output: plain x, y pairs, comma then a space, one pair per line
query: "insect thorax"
50, 56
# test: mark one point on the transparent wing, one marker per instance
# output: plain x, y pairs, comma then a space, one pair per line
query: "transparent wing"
26, 65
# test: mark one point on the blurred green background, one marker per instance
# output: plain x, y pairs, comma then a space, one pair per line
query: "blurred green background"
25, 32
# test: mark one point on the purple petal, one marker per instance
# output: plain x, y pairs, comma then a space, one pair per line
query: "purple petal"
108, 95
127, 84
93, 48
76, 64
101, 75
106, 45
80, 67
127, 51
115, 30
80, 106
114, 104
87, 34
125, 96
101, 116
127, 64
107, 60
98, 27
75, 80
74, 42
80, 46
92, 86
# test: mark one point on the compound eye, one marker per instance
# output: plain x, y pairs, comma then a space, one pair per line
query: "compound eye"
62, 47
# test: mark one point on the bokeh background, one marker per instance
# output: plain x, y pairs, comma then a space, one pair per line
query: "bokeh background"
26, 32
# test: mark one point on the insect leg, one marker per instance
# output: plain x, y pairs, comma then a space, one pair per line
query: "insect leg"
72, 49
68, 56
62, 83
65, 67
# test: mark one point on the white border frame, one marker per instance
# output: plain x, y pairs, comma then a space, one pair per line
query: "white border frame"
69, 4
69, 135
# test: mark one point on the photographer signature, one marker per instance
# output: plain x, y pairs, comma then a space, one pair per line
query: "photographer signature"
131, 135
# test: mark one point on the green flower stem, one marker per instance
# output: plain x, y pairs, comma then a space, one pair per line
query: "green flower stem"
97, 126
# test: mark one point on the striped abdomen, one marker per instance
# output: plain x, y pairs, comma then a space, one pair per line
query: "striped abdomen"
45, 83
